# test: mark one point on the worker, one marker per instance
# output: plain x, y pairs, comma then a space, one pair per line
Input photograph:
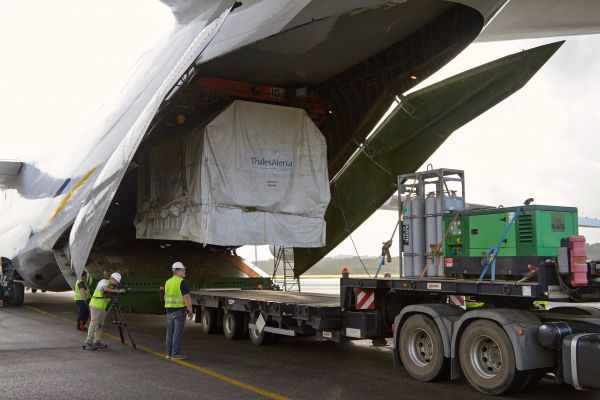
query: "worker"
98, 309
82, 298
178, 305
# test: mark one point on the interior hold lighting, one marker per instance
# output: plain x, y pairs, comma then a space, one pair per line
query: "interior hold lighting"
180, 119
413, 77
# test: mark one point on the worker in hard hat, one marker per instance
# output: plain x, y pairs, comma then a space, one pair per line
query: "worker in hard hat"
178, 305
82, 296
98, 309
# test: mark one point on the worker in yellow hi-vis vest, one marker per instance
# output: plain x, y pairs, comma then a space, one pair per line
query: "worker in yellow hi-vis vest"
81, 295
178, 305
99, 308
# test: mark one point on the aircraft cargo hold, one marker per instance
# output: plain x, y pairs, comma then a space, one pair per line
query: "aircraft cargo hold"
255, 174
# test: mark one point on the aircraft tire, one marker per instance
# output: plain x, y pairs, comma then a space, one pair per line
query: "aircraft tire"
16, 294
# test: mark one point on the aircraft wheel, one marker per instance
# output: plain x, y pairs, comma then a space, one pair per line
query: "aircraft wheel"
16, 294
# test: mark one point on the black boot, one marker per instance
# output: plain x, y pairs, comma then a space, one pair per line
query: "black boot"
89, 346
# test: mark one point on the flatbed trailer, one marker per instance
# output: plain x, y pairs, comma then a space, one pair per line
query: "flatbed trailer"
502, 347
506, 260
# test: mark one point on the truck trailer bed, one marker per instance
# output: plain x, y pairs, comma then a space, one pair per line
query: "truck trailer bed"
266, 296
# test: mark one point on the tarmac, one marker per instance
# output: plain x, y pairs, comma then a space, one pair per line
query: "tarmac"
42, 357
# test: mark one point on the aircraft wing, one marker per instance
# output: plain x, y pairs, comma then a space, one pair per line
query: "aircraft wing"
585, 222
526, 19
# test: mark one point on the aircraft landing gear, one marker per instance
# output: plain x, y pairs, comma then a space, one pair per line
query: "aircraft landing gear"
15, 294
11, 292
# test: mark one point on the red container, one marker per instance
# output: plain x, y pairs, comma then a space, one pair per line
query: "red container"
578, 261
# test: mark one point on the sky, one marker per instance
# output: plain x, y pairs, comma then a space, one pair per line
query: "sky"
64, 62
542, 142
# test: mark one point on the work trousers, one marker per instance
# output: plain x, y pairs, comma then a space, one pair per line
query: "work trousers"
83, 312
175, 325
96, 325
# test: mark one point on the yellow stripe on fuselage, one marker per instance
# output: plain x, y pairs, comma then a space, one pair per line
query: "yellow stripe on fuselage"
68, 196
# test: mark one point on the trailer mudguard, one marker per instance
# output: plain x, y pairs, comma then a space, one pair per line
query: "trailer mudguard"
443, 315
521, 327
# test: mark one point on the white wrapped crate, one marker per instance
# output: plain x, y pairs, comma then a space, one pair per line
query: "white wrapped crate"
255, 174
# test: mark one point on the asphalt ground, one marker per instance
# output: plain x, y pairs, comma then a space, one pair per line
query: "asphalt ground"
41, 357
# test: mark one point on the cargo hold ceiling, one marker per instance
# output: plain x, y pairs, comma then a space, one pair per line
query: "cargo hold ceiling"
355, 63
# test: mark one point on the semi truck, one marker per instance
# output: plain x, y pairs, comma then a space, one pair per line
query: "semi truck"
510, 261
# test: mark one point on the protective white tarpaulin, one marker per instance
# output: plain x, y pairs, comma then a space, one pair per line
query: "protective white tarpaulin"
256, 174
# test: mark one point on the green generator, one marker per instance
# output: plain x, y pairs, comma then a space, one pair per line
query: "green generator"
533, 238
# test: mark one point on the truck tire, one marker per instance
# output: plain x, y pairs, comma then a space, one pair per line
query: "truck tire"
209, 321
245, 321
487, 359
262, 338
16, 294
233, 325
422, 349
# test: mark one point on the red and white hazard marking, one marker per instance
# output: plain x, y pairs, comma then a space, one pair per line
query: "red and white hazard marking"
456, 300
365, 299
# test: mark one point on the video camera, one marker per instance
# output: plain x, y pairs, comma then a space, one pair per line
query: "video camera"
127, 289
119, 287
114, 296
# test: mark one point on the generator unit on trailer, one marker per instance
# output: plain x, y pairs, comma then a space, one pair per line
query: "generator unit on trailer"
533, 236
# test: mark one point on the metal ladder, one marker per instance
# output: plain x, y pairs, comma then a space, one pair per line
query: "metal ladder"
290, 281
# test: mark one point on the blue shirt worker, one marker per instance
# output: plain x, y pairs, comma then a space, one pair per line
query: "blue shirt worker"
99, 308
177, 303
82, 298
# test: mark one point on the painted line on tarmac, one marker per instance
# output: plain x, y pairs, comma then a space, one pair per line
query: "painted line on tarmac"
202, 370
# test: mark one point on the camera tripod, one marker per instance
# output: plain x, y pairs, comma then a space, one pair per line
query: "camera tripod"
119, 320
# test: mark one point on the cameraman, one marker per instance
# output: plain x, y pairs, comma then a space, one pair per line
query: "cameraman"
98, 306
177, 302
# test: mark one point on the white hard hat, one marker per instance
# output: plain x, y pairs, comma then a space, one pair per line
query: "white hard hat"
116, 276
177, 265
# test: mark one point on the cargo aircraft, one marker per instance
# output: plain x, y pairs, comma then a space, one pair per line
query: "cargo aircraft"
342, 63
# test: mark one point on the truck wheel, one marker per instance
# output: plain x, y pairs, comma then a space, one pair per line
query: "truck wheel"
245, 318
262, 338
16, 294
422, 349
233, 328
488, 361
208, 321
